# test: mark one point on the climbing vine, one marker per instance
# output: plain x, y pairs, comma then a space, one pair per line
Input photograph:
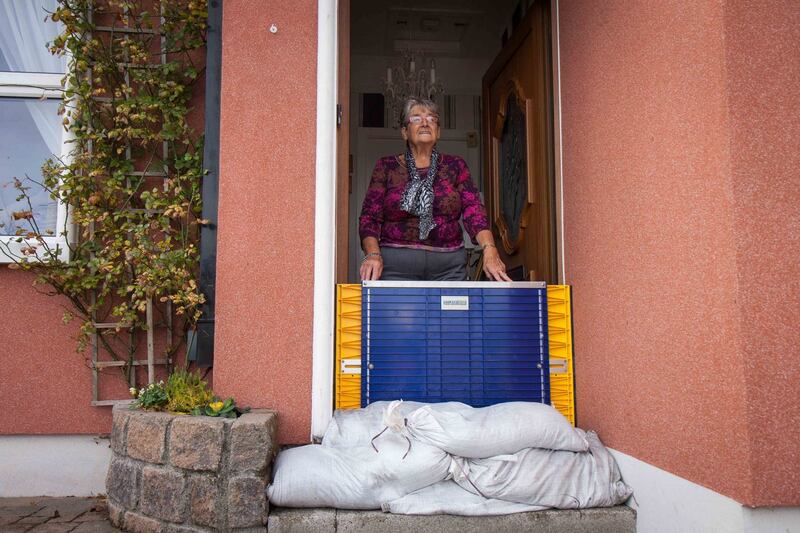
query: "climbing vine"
132, 179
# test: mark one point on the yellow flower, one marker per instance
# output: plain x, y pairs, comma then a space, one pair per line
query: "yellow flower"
216, 406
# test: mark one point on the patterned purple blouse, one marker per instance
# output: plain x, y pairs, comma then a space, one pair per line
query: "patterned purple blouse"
455, 197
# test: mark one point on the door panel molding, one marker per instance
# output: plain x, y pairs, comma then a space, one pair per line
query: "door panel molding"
523, 69
511, 245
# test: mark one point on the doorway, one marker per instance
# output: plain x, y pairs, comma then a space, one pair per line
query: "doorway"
475, 49
337, 175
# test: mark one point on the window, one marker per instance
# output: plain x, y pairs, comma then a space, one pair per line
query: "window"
30, 127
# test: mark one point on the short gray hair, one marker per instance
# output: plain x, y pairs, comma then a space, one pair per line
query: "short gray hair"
412, 101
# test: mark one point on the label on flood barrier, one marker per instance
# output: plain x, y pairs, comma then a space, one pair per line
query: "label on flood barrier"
455, 303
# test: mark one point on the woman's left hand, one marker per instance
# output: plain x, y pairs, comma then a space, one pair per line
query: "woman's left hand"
493, 266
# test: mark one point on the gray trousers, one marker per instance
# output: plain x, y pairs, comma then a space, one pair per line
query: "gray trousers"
412, 264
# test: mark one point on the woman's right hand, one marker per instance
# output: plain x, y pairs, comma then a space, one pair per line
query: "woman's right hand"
493, 266
371, 268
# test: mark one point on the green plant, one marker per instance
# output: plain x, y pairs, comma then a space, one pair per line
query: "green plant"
151, 398
226, 409
131, 183
187, 391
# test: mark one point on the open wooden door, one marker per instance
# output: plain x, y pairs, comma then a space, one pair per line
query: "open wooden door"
518, 144
343, 167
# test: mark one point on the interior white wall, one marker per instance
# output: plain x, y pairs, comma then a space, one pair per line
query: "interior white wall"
457, 75
53, 465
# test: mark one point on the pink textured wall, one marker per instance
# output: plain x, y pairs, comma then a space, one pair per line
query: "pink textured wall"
649, 236
265, 254
763, 72
45, 385
663, 232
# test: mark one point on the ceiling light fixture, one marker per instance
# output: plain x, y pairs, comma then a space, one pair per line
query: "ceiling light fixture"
415, 76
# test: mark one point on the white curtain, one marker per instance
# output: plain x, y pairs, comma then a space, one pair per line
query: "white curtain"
24, 35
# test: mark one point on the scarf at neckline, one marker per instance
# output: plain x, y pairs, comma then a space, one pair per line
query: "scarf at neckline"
417, 199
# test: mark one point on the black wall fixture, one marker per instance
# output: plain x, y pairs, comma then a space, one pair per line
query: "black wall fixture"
201, 343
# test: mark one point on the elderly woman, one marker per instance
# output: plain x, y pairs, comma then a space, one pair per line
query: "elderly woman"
409, 224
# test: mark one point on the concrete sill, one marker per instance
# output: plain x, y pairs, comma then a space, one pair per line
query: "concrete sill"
620, 519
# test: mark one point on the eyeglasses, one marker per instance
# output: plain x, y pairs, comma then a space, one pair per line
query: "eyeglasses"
417, 119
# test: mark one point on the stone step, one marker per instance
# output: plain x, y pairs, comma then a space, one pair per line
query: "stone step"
620, 519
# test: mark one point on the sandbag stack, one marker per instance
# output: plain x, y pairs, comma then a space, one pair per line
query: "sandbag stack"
415, 458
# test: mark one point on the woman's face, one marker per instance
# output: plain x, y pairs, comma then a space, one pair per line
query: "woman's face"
422, 127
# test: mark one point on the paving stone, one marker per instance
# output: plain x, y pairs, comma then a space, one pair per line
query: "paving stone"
19, 510
147, 436
119, 425
32, 520
282, 520
47, 512
162, 494
247, 503
137, 523
195, 443
60, 527
95, 527
92, 516
67, 509
20, 501
203, 498
6, 520
122, 482
16, 528
253, 441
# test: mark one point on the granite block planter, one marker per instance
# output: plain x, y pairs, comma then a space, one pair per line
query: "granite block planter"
190, 473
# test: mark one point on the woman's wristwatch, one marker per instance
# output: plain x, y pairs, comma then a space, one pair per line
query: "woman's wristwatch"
371, 254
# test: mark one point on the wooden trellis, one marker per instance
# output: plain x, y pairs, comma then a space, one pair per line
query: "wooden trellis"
131, 362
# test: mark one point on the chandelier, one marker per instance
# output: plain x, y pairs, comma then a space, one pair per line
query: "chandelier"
410, 78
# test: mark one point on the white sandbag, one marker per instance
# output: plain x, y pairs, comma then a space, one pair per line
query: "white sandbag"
446, 497
498, 429
356, 427
550, 478
356, 477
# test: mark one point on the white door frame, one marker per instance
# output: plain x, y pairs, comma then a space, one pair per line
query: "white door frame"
324, 218
557, 146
